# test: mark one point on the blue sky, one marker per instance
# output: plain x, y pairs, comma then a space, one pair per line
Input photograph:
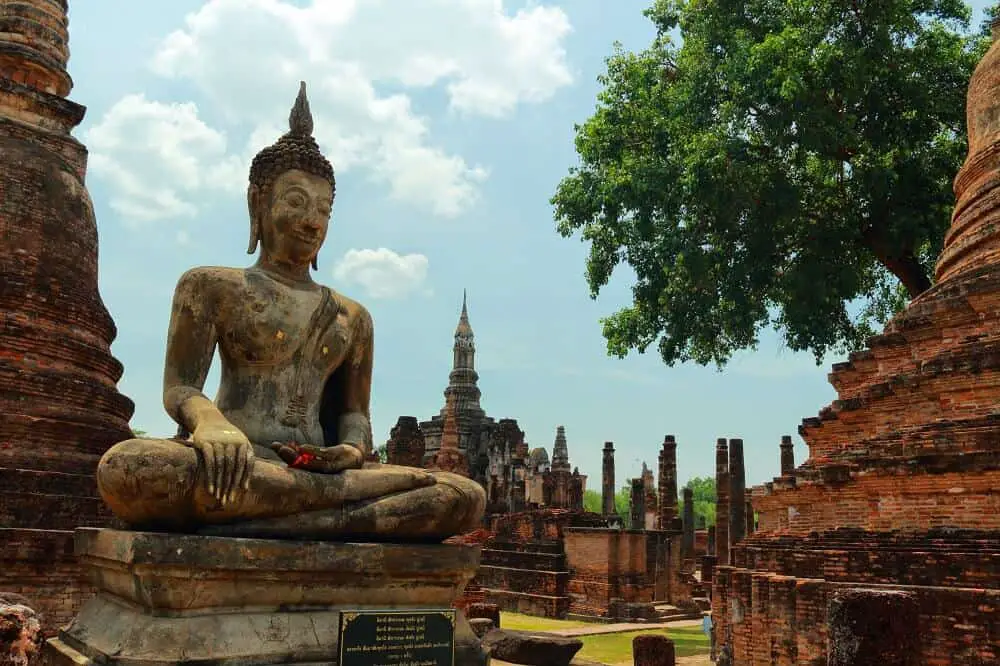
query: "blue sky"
449, 123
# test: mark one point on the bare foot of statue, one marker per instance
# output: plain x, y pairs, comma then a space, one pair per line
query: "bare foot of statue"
280, 452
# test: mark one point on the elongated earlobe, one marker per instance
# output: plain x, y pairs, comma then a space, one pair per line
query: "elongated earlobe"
253, 194
314, 265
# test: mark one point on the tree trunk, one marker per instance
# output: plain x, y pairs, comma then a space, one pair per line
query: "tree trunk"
904, 265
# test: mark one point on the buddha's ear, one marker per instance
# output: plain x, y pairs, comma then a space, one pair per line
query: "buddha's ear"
314, 265
253, 203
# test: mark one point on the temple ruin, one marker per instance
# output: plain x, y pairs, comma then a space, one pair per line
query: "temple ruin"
886, 540
544, 554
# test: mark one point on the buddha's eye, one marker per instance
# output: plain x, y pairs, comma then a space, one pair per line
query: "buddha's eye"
295, 200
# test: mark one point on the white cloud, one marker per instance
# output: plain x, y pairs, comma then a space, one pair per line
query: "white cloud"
156, 155
383, 273
245, 58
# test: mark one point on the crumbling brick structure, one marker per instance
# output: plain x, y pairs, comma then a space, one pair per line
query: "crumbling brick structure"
900, 488
619, 574
59, 405
558, 562
523, 566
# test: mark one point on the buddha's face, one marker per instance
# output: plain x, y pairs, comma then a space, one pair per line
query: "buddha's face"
295, 220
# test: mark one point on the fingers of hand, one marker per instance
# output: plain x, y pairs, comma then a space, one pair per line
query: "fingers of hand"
287, 453
225, 451
343, 457
208, 458
247, 468
234, 453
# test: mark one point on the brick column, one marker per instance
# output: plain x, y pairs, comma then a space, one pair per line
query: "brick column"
737, 493
751, 523
59, 401
722, 501
638, 506
668, 482
608, 480
711, 540
687, 541
787, 456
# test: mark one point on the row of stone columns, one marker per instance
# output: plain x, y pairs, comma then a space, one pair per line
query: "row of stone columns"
734, 518
733, 512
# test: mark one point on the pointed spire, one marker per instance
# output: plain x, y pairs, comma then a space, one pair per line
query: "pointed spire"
464, 328
560, 451
300, 120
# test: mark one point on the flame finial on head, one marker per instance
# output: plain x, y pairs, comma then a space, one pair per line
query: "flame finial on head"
300, 120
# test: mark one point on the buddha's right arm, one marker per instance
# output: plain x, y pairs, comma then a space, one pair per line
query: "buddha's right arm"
190, 345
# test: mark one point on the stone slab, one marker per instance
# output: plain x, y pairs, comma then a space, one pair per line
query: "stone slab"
183, 599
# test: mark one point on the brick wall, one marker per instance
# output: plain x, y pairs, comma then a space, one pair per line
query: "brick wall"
772, 618
40, 565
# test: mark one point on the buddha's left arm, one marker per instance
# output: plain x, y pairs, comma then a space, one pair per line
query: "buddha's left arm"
354, 426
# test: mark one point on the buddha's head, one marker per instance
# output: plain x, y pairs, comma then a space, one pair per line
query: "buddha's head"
291, 193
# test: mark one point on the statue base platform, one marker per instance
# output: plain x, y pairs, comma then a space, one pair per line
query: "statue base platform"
186, 599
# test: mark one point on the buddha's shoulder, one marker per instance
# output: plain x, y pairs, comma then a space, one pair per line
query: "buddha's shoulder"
355, 311
205, 280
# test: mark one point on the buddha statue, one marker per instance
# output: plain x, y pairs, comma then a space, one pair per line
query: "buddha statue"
281, 451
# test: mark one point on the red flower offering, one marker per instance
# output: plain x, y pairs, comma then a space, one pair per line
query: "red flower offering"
302, 460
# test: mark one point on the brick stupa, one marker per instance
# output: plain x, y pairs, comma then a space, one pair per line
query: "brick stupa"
900, 495
59, 406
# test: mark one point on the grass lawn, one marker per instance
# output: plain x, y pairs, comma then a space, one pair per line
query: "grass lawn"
617, 648
610, 648
520, 622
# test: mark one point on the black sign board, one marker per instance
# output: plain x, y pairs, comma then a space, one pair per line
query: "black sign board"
397, 638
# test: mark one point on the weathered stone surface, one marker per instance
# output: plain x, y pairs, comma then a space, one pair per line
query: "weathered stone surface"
58, 397
722, 500
20, 631
873, 628
522, 647
406, 443
484, 610
667, 482
687, 543
637, 505
608, 489
184, 598
652, 650
481, 625
737, 493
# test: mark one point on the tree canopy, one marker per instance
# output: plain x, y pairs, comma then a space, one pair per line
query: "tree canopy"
789, 165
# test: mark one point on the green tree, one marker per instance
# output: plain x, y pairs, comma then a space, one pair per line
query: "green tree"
703, 489
382, 451
593, 501
623, 503
138, 433
789, 159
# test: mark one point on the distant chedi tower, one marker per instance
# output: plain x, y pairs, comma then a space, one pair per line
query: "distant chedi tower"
463, 439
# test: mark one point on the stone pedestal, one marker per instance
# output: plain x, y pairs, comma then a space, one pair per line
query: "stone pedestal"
184, 599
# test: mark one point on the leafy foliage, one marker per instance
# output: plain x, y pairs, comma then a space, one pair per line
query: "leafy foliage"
592, 502
790, 159
704, 500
